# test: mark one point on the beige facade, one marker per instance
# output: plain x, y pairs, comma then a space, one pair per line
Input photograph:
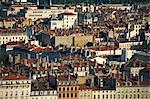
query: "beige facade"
139, 92
76, 40
15, 87
12, 36
80, 41
65, 40
128, 45
47, 94
69, 20
68, 92
35, 14
123, 92
10, 22
85, 92
104, 94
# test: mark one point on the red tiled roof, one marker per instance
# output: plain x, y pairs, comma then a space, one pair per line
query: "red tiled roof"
15, 77
68, 13
12, 31
84, 87
37, 49
40, 68
65, 78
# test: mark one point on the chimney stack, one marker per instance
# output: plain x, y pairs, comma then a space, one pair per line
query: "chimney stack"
69, 77
38, 2
142, 78
123, 75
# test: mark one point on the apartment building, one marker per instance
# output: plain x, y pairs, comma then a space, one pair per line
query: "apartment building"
67, 20
15, 22
85, 92
47, 94
35, 14
15, 86
12, 36
67, 87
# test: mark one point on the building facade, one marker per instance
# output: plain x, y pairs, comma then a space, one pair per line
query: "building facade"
12, 36
15, 87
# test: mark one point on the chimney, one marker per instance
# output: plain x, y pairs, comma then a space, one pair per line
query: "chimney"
134, 63
142, 78
80, 63
29, 56
38, 2
69, 77
38, 66
50, 2
18, 74
47, 58
47, 85
119, 75
127, 78
30, 76
124, 75
140, 64
40, 60
45, 66
37, 56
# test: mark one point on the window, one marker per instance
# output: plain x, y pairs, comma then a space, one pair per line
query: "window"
11, 93
63, 95
75, 88
22, 92
71, 94
106, 96
98, 96
75, 94
67, 94
63, 89
16, 93
138, 96
59, 95
94, 96
67, 89
59, 89
71, 88
110, 96
6, 94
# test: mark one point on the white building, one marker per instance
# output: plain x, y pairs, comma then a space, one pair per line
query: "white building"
128, 45
133, 92
124, 92
14, 9
118, 6
47, 94
15, 87
134, 29
12, 36
104, 94
67, 20
35, 14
